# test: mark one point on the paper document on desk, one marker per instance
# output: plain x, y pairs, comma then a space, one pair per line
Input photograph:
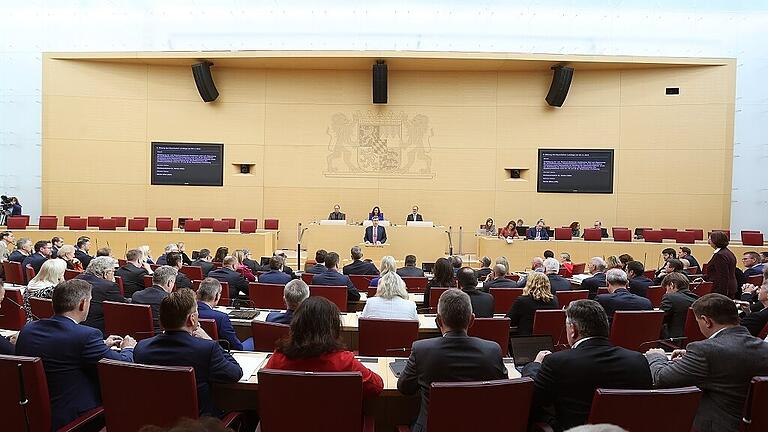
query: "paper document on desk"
7, 333
249, 363
579, 278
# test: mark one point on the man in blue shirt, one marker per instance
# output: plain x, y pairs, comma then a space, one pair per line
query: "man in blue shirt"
207, 297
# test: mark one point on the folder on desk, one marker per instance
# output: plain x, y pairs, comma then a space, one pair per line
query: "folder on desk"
397, 367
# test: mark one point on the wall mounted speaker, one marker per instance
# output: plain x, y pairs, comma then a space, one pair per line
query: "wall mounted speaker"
204, 81
380, 82
561, 82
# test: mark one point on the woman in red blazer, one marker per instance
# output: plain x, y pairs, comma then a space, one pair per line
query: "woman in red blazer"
721, 268
313, 345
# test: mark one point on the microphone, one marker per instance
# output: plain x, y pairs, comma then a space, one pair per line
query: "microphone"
669, 340
401, 349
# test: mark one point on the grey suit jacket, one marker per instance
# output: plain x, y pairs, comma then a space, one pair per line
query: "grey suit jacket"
722, 367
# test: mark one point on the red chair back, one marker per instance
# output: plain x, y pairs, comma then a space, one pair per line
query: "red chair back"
492, 329
668, 233
120, 285
206, 223
93, 221
386, 338
755, 280
361, 282
135, 224
164, 224
336, 294
69, 218
119, 220
192, 272
41, 307
654, 294
650, 274
755, 415
147, 280
691, 331
434, 296
564, 298
307, 277
564, 233
191, 225
698, 233
210, 327
107, 224
622, 234
505, 402
265, 335
579, 268
593, 234
653, 236
70, 274
78, 223
14, 273
752, 238
602, 290
504, 298
267, 296
231, 222
513, 277
48, 222
12, 317
128, 319
310, 390
29, 272
248, 226
415, 283
687, 237
764, 332
550, 322
17, 222
220, 226
38, 409
271, 224
620, 408
631, 329
128, 408
702, 288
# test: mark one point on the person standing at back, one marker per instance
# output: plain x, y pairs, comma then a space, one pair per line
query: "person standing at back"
721, 268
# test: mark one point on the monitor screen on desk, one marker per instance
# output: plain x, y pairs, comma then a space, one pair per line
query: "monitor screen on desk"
575, 171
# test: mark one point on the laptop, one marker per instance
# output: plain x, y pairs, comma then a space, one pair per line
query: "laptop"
428, 267
525, 348
265, 260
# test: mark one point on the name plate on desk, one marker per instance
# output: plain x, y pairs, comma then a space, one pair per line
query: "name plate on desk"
420, 224
332, 222
368, 223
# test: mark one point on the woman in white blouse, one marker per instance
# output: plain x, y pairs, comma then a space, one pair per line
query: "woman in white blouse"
391, 300
42, 285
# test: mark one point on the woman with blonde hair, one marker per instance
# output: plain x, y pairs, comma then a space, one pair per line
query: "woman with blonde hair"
67, 254
391, 300
537, 295
147, 258
387, 265
42, 285
241, 268
613, 262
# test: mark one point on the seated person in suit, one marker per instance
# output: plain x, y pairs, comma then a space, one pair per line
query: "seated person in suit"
410, 269
23, 250
182, 250
666, 255
70, 352
451, 358
375, 234
133, 272
751, 260
391, 300
457, 263
221, 253
672, 265
596, 268
101, 275
567, 264
275, 275
538, 232
557, 282
498, 279
67, 253
414, 216
358, 266
204, 261
566, 380
163, 282
376, 213
722, 365
175, 260
485, 268
286, 269
184, 343
599, 225
7, 346
575, 229
685, 253
442, 277
7, 242
675, 304
319, 266
295, 292
208, 296
332, 277
537, 295
638, 282
83, 245
336, 214
756, 319
227, 273
488, 229
482, 303
537, 265
163, 259
619, 298
42, 285
313, 345
41, 255
509, 231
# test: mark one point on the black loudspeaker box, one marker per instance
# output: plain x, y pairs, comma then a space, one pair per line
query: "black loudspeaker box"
380, 83
561, 82
204, 81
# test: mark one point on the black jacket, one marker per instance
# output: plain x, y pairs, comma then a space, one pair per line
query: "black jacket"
83, 257
558, 283
499, 283
593, 283
317, 268
482, 303
133, 278
675, 306
35, 261
639, 285
235, 280
102, 290
522, 312
755, 321
151, 296
205, 266
182, 281
334, 278
410, 271
622, 300
360, 267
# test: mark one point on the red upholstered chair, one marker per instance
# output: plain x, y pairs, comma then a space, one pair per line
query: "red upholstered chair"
120, 285
12, 317
310, 390
504, 298
14, 273
206, 223
128, 319
336, 294
691, 331
513, 277
550, 322
136, 224
129, 407
653, 236
563, 233
147, 280
192, 225
93, 221
668, 233
702, 288
752, 238
120, 221
602, 290
415, 283
164, 224
29, 272
434, 296
78, 223
755, 280
632, 329
654, 294
38, 406
265, 335
564, 298
620, 408
755, 416
266, 296
70, 274
492, 329
41, 307
17, 222
271, 224
687, 237
248, 226
650, 274
593, 234
579, 268
361, 282
48, 222
107, 224
220, 226
210, 327
387, 338
69, 218
192, 272
698, 233
231, 223
307, 277
506, 402
622, 234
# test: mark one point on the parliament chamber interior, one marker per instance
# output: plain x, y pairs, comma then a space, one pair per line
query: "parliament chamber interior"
352, 216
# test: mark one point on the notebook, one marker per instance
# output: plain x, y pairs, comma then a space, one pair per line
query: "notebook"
525, 348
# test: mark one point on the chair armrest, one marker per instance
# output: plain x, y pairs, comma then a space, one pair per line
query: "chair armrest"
369, 423
85, 419
402, 428
541, 427
232, 418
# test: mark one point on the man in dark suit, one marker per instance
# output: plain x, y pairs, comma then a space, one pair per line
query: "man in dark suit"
453, 357
485, 269
410, 269
375, 234
82, 247
56, 244
672, 265
498, 279
275, 275
203, 261
319, 266
70, 352
227, 273
722, 365
597, 270
295, 292
751, 260
163, 281
208, 296
23, 250
101, 275
6, 346
619, 298
41, 255
414, 216
336, 214
163, 259
539, 232
556, 282
566, 380
184, 343
133, 272
482, 303
638, 282
358, 266
332, 277
176, 260
685, 253
675, 304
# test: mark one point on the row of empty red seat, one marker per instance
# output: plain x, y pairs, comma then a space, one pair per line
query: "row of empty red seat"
140, 223
690, 236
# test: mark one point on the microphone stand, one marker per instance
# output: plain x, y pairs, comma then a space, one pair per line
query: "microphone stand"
460, 240
450, 241
23, 401
298, 246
